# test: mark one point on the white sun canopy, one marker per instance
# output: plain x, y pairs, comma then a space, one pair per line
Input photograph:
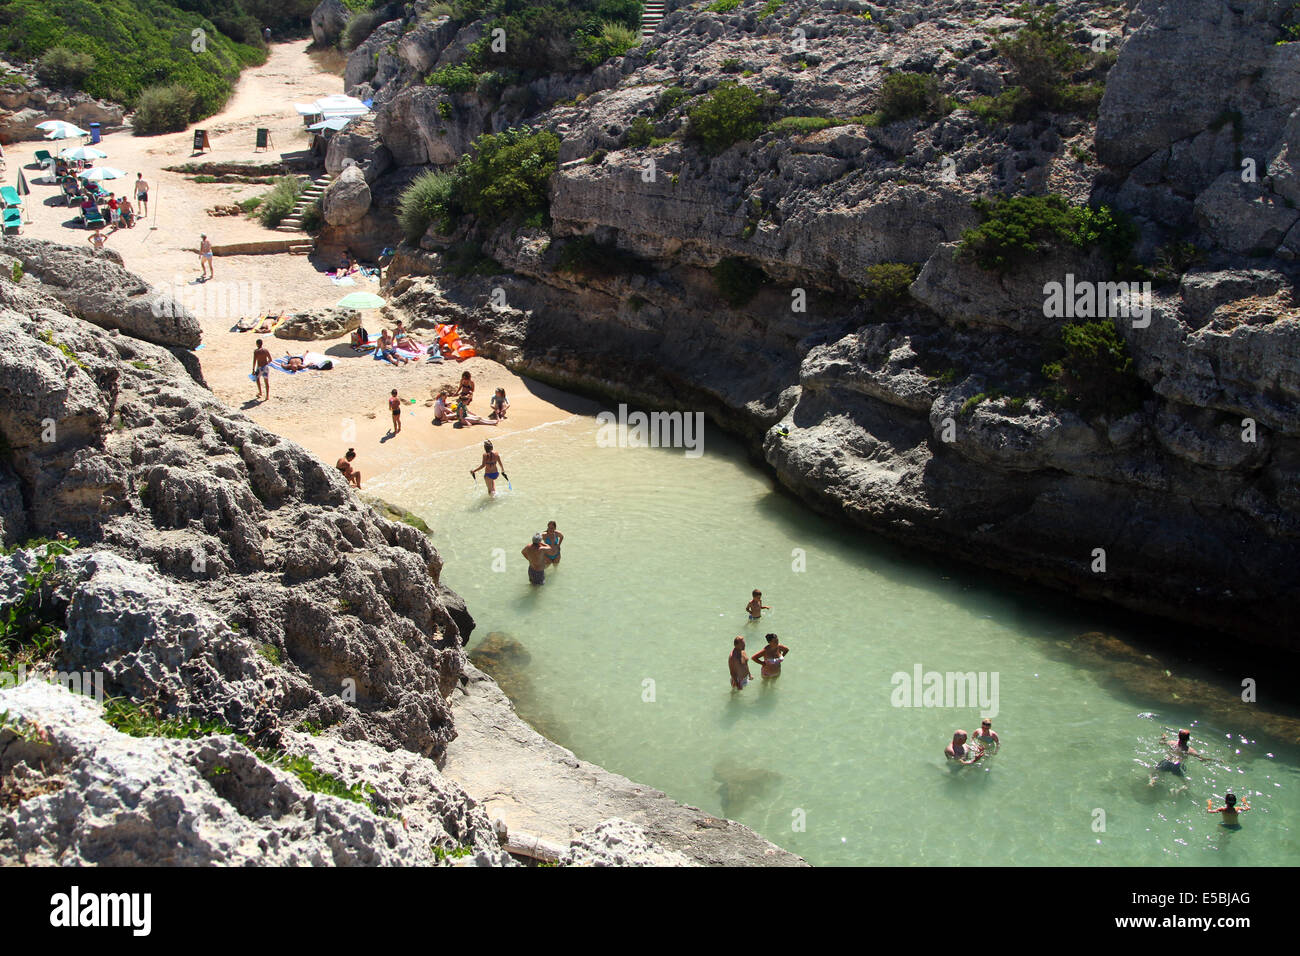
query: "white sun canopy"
333, 107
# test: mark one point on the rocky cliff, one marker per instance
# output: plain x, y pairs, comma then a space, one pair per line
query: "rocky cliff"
927, 416
277, 660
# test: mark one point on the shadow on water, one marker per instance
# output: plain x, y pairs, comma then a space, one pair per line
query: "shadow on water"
739, 785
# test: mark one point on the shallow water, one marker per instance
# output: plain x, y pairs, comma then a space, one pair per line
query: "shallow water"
628, 639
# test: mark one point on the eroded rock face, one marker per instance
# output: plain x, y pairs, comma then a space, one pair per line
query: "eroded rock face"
347, 198
25, 102
328, 20
313, 324
94, 286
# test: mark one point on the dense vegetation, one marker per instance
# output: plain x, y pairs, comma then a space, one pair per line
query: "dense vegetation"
1018, 229
506, 176
904, 95
1094, 373
117, 49
888, 282
280, 201
730, 114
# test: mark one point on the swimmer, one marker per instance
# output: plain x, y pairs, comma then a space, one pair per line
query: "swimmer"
738, 665
756, 607
771, 656
553, 538
1229, 810
987, 735
492, 468
1181, 748
958, 751
536, 554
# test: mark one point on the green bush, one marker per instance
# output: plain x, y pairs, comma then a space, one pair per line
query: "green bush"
613, 39
426, 201
1017, 229
137, 44
59, 66
904, 95
640, 132
888, 282
1013, 104
1047, 62
724, 6
279, 202
163, 109
772, 6
455, 78
313, 218
507, 175
796, 125
737, 281
730, 114
359, 27
670, 99
1094, 372
731, 65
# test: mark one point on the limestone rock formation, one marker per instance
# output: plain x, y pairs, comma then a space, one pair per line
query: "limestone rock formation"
328, 20
316, 324
347, 198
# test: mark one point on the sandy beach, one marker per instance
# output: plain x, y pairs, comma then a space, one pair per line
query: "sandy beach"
325, 411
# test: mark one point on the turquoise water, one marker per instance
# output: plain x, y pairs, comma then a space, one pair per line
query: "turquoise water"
628, 641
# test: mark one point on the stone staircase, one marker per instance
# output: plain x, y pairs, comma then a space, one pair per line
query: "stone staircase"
651, 15
293, 221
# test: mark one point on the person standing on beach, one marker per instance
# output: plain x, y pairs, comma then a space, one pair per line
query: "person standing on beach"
344, 465
262, 369
395, 406
738, 664
96, 239
493, 468
756, 607
771, 656
554, 539
536, 554
142, 194
205, 257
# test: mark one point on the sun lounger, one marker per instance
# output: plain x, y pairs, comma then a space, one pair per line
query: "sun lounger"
92, 218
9, 196
43, 158
13, 219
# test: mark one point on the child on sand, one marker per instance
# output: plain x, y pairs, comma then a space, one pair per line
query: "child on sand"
499, 405
395, 406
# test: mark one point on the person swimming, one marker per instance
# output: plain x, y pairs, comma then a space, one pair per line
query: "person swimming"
958, 751
1229, 810
986, 735
756, 607
554, 539
771, 656
1181, 748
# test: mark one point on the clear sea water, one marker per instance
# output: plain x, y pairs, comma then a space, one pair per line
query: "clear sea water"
628, 639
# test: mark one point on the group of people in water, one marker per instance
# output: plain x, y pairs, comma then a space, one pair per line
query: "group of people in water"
769, 657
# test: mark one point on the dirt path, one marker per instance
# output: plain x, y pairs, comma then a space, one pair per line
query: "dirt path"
326, 412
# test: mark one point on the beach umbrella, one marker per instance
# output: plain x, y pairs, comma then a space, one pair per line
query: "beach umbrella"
360, 300
61, 130
82, 152
24, 190
100, 173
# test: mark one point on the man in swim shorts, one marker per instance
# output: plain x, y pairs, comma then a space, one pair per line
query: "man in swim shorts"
553, 538
756, 607
1181, 748
958, 751
262, 369
771, 656
535, 554
738, 665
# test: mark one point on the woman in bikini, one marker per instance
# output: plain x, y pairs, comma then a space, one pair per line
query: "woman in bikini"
553, 538
771, 656
466, 393
492, 467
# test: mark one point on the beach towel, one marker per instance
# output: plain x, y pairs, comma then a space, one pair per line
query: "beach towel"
346, 280
414, 353
312, 361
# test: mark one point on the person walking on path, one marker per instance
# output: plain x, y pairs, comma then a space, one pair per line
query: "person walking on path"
142, 194
205, 257
262, 369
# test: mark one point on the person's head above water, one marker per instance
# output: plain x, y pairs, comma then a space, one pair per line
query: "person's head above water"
1184, 736
550, 526
738, 643
772, 639
959, 736
1230, 799
986, 723
757, 593
537, 538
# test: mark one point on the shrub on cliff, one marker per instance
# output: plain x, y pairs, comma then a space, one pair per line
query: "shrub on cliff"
1049, 65
425, 202
549, 36
737, 280
507, 175
904, 95
888, 282
454, 78
1017, 229
359, 27
1094, 373
730, 114
163, 109
59, 66
611, 40
279, 202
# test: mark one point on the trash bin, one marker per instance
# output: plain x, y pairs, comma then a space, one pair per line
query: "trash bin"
94, 133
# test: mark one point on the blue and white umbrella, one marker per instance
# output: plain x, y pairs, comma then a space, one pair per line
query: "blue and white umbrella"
58, 129
101, 172
82, 152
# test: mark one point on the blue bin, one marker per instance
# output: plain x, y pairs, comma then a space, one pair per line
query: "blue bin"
94, 133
